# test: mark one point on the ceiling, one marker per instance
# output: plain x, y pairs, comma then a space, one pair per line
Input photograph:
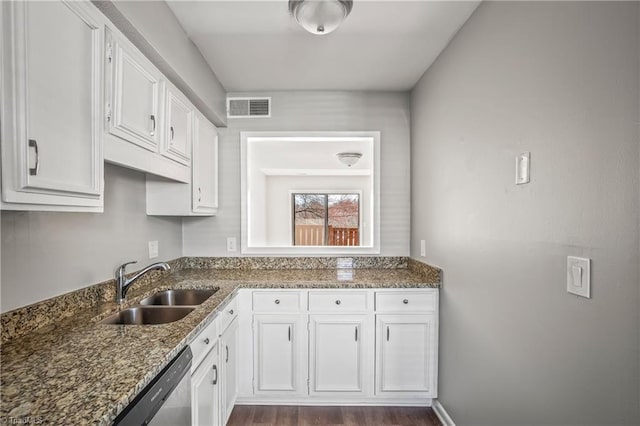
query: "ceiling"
382, 45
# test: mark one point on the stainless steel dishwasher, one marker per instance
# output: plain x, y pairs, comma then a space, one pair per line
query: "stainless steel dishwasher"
166, 400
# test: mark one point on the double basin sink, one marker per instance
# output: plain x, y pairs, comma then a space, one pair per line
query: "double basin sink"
161, 308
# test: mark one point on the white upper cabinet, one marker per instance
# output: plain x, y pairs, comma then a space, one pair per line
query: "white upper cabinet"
200, 197
134, 105
52, 61
205, 166
178, 126
139, 134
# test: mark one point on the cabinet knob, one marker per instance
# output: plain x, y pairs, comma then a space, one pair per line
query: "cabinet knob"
231, 312
206, 341
338, 302
405, 301
277, 301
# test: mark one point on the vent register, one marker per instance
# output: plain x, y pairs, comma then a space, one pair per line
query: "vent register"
248, 107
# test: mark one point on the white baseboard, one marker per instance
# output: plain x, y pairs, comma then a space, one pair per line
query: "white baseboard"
442, 414
302, 401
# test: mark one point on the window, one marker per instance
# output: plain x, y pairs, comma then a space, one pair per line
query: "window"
326, 219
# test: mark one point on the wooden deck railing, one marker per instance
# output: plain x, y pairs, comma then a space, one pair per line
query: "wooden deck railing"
313, 235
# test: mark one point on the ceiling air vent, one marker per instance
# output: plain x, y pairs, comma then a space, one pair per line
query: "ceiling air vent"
248, 107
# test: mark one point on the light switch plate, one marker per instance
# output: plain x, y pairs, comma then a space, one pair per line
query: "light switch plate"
523, 161
579, 276
153, 249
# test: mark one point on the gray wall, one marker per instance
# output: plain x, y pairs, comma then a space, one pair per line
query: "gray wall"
154, 29
559, 79
311, 111
46, 254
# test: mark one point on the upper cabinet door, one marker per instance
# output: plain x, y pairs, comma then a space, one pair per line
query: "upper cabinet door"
52, 104
205, 166
135, 96
179, 125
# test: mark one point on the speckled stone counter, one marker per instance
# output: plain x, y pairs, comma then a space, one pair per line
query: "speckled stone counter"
77, 371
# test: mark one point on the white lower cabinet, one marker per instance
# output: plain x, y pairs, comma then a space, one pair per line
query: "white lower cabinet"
339, 346
229, 368
280, 354
406, 354
339, 356
205, 391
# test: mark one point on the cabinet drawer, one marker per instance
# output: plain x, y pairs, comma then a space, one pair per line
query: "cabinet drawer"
276, 301
405, 301
203, 343
227, 314
337, 301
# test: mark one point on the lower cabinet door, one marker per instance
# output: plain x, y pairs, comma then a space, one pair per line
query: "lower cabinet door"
205, 391
339, 354
229, 362
280, 354
406, 346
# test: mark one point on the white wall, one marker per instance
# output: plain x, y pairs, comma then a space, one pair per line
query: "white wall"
46, 254
316, 111
279, 209
559, 79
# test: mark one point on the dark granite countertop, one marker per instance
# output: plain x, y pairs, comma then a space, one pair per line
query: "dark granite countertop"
77, 371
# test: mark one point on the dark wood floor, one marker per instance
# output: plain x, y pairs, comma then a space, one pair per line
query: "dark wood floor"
284, 415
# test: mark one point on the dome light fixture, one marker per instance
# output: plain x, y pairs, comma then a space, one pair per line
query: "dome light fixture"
320, 16
349, 158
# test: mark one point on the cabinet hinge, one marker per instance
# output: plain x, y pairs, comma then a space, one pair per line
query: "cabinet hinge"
108, 112
308, 386
109, 52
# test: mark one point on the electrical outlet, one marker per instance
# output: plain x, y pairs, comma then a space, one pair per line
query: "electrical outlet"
153, 249
523, 162
423, 248
231, 244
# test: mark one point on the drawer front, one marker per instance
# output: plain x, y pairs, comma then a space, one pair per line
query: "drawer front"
405, 301
276, 301
227, 314
337, 301
203, 343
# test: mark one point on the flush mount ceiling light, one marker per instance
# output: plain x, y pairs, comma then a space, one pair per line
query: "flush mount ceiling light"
320, 16
349, 158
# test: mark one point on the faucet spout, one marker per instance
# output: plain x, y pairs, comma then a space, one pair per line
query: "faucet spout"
123, 283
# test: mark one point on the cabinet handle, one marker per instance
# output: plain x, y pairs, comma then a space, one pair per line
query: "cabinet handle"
34, 171
356, 333
338, 302
277, 301
206, 341
199, 194
387, 333
289, 333
227, 358
215, 378
172, 132
153, 124
405, 301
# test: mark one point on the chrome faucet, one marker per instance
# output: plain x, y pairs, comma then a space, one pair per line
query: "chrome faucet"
123, 284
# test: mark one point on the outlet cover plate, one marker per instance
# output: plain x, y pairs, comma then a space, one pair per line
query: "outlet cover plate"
153, 249
579, 276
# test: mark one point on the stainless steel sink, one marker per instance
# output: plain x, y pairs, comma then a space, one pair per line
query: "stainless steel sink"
148, 315
179, 297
